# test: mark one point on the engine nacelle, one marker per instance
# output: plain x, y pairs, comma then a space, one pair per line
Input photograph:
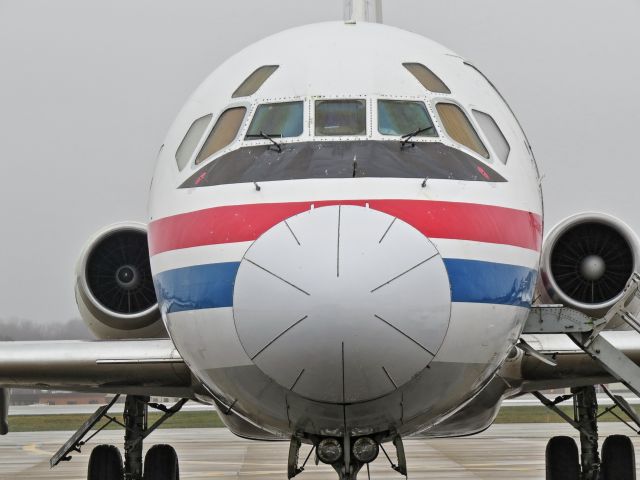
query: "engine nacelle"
114, 286
587, 260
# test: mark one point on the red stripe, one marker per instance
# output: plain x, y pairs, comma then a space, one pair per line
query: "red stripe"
240, 223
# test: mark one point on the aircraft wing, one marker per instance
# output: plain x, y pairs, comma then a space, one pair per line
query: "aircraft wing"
544, 362
137, 367
130, 367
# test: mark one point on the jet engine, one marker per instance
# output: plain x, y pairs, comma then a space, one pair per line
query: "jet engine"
114, 287
587, 260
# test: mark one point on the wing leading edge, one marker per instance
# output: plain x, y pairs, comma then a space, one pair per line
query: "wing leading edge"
134, 367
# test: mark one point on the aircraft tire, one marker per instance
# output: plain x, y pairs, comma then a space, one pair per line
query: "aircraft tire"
105, 463
161, 463
562, 459
618, 458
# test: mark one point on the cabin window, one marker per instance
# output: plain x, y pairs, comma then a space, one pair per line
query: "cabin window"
427, 78
277, 120
254, 81
493, 133
459, 127
399, 117
223, 132
191, 140
340, 117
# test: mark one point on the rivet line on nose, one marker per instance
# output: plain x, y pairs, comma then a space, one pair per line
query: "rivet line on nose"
277, 276
387, 230
344, 394
278, 336
389, 377
338, 249
292, 234
405, 335
404, 273
297, 379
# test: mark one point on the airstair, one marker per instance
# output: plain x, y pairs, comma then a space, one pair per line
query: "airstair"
586, 333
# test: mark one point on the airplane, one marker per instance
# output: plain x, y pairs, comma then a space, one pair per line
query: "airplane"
344, 248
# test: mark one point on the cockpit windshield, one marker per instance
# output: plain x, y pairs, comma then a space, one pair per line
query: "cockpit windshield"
401, 118
341, 143
277, 120
341, 117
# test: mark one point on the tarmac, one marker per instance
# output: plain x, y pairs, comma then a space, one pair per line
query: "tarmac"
526, 400
514, 452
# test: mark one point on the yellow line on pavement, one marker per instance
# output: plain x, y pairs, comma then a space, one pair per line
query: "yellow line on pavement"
33, 448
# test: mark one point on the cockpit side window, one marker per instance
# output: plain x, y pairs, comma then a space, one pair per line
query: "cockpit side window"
223, 132
254, 81
191, 140
340, 117
494, 135
400, 117
277, 120
459, 127
427, 78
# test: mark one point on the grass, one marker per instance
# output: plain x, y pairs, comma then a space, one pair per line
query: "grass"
45, 423
200, 419
541, 414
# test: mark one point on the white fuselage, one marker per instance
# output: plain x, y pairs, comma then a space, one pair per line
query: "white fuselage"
321, 285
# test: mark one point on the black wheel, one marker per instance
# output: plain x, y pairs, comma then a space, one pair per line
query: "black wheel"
161, 463
105, 463
618, 459
563, 461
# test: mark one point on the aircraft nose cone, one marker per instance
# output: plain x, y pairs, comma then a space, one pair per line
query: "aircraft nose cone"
342, 304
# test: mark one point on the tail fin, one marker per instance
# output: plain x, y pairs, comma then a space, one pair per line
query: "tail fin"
363, 11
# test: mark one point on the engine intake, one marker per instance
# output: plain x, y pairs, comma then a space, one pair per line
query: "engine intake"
587, 261
114, 286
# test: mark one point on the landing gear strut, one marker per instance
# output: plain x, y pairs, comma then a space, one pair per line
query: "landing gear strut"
585, 406
562, 459
135, 421
105, 461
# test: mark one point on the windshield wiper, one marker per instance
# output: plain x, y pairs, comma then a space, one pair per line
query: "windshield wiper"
407, 138
266, 136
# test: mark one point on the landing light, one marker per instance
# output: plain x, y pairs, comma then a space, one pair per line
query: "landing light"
330, 450
365, 449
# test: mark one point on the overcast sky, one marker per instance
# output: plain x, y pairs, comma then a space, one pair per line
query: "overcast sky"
88, 90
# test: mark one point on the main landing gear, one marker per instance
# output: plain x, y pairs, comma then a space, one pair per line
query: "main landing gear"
563, 462
346, 455
106, 462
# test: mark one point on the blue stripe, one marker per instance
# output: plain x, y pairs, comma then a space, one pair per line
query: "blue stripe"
473, 281
198, 287
211, 286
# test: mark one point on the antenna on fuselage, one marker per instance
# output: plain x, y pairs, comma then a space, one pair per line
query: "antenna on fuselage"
363, 11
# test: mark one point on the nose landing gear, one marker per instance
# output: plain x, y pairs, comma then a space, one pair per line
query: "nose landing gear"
562, 459
347, 456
